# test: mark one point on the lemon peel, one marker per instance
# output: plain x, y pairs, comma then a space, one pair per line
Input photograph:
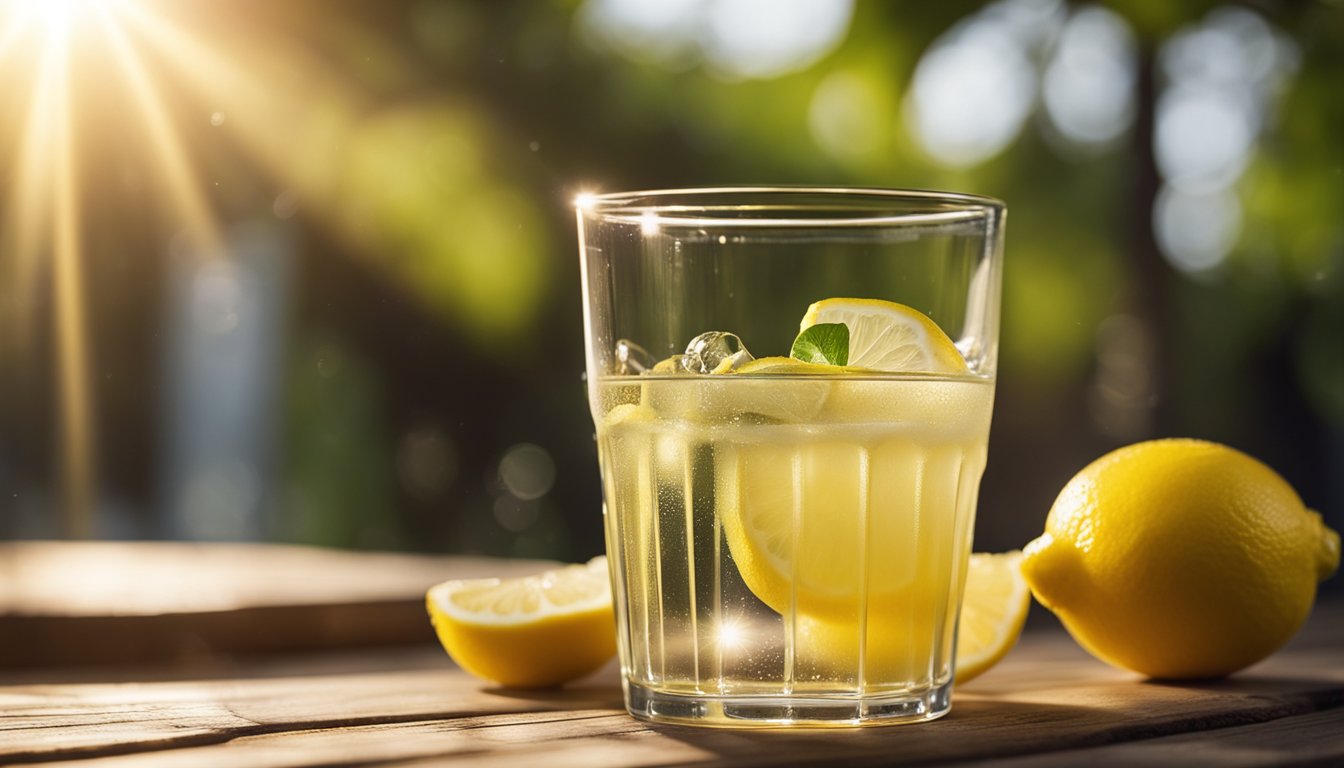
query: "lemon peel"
532, 632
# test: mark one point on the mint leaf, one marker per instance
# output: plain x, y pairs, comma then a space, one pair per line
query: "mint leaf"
823, 343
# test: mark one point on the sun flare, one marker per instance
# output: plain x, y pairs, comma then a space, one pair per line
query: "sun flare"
183, 115
56, 18
68, 46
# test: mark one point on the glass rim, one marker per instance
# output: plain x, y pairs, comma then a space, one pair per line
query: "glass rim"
646, 207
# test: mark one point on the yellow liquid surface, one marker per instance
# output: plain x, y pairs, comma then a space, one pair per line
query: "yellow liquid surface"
790, 534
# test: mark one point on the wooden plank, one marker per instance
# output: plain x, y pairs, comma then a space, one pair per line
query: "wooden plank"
408, 705
154, 578
41, 721
578, 737
1048, 696
189, 604
1316, 738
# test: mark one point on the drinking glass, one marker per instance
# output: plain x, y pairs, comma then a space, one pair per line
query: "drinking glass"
787, 545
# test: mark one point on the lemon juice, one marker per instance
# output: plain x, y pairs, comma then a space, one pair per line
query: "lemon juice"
790, 541
789, 522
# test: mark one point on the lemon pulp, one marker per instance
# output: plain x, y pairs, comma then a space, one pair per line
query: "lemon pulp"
886, 336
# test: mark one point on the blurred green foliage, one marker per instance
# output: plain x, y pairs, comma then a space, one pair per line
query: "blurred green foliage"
427, 152
339, 485
1246, 352
421, 193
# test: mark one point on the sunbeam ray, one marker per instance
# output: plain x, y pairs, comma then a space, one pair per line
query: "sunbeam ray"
177, 169
72, 369
28, 206
11, 33
245, 94
43, 219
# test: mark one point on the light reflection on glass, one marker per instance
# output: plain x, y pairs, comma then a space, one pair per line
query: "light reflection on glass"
648, 223
731, 634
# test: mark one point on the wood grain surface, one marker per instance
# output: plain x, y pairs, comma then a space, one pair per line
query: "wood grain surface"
1047, 704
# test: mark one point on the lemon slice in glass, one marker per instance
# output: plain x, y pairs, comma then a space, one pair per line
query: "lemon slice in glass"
790, 502
992, 612
898, 648
796, 400
890, 337
531, 632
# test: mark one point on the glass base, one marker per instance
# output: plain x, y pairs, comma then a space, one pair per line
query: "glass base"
777, 711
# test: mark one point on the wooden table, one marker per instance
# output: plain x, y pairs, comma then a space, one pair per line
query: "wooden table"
252, 668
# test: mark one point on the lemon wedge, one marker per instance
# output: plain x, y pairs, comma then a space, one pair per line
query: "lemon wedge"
886, 336
532, 632
992, 612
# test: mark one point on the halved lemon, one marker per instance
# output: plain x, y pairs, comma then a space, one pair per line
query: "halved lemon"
886, 336
992, 612
532, 632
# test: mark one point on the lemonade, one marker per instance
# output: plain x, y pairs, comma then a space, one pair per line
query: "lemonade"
796, 535
791, 389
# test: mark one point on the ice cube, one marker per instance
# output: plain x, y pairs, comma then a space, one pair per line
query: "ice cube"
715, 352
632, 359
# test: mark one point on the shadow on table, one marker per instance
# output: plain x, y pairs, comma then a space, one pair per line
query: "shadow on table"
600, 690
974, 729
590, 696
1320, 690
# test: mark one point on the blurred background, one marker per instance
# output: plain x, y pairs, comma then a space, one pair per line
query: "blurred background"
306, 271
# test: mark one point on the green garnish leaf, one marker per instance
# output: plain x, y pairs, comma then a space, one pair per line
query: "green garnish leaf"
823, 343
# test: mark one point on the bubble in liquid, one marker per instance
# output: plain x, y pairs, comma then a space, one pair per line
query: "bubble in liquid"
632, 359
709, 350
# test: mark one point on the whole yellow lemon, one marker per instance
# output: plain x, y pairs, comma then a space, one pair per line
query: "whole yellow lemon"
1180, 559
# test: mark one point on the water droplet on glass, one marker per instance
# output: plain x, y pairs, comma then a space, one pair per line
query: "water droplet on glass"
632, 359
709, 350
